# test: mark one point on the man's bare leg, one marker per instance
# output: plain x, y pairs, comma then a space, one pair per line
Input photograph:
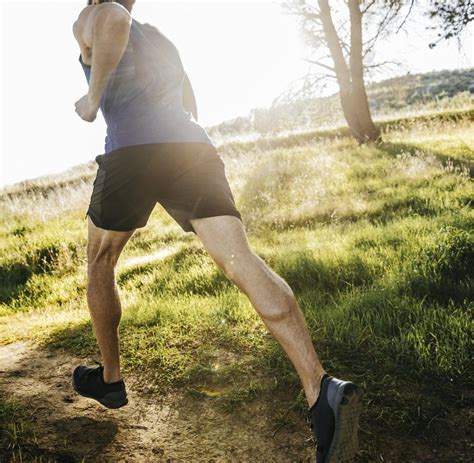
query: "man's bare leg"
103, 250
225, 239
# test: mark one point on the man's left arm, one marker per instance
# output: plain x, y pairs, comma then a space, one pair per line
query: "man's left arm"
111, 30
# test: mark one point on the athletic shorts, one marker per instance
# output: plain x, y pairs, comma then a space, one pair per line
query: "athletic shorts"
188, 179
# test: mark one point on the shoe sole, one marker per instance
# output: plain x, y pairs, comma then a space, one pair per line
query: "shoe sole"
109, 402
345, 443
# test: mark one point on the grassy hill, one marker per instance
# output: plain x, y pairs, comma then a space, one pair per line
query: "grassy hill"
411, 94
376, 243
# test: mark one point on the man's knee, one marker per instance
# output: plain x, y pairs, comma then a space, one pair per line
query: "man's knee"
105, 255
250, 266
251, 273
104, 246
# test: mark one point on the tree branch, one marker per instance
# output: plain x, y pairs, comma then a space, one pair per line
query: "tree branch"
367, 7
372, 41
406, 17
377, 65
318, 63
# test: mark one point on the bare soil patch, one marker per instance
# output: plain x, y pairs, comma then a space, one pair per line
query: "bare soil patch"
172, 428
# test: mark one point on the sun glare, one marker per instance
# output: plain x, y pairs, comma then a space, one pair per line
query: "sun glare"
239, 55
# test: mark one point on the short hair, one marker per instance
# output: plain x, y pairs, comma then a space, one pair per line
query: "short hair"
128, 4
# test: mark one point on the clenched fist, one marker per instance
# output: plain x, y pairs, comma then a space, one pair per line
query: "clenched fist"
86, 109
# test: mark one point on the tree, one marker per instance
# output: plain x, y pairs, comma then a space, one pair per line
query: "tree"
453, 16
336, 34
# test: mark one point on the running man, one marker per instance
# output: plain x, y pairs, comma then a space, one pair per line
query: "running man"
155, 151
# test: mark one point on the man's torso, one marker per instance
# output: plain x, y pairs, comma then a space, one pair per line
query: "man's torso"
143, 100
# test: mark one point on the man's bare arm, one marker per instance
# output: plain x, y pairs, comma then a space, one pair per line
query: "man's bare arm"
110, 34
189, 100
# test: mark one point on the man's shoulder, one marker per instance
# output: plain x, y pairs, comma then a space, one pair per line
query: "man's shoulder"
112, 9
84, 14
110, 13
81, 21
91, 13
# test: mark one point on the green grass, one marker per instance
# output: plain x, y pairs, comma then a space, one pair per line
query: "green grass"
376, 243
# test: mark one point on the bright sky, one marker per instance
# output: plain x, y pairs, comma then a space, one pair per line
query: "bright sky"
238, 54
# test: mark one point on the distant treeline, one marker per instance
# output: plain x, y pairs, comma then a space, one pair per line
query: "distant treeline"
413, 92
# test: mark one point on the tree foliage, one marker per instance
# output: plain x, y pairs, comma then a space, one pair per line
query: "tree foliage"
452, 16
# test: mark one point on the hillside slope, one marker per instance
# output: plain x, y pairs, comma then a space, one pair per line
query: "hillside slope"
377, 245
396, 97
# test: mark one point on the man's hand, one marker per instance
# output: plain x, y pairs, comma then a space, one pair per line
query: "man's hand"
86, 109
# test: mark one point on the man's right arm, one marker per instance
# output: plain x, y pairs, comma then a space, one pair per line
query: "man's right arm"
104, 34
111, 30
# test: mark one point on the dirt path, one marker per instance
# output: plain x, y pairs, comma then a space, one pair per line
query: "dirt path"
171, 428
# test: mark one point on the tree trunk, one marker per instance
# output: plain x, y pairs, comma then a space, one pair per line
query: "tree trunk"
352, 92
368, 128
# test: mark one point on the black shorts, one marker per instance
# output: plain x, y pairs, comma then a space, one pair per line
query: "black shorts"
188, 179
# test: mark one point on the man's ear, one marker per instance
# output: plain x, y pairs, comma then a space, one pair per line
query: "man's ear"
189, 100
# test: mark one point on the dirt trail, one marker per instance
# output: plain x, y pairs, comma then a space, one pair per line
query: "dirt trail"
171, 428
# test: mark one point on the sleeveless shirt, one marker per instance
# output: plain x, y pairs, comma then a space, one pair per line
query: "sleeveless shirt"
142, 101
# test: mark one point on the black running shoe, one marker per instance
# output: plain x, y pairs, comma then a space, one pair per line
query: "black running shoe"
89, 382
334, 419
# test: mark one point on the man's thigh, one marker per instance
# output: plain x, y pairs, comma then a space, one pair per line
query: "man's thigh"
224, 237
103, 243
